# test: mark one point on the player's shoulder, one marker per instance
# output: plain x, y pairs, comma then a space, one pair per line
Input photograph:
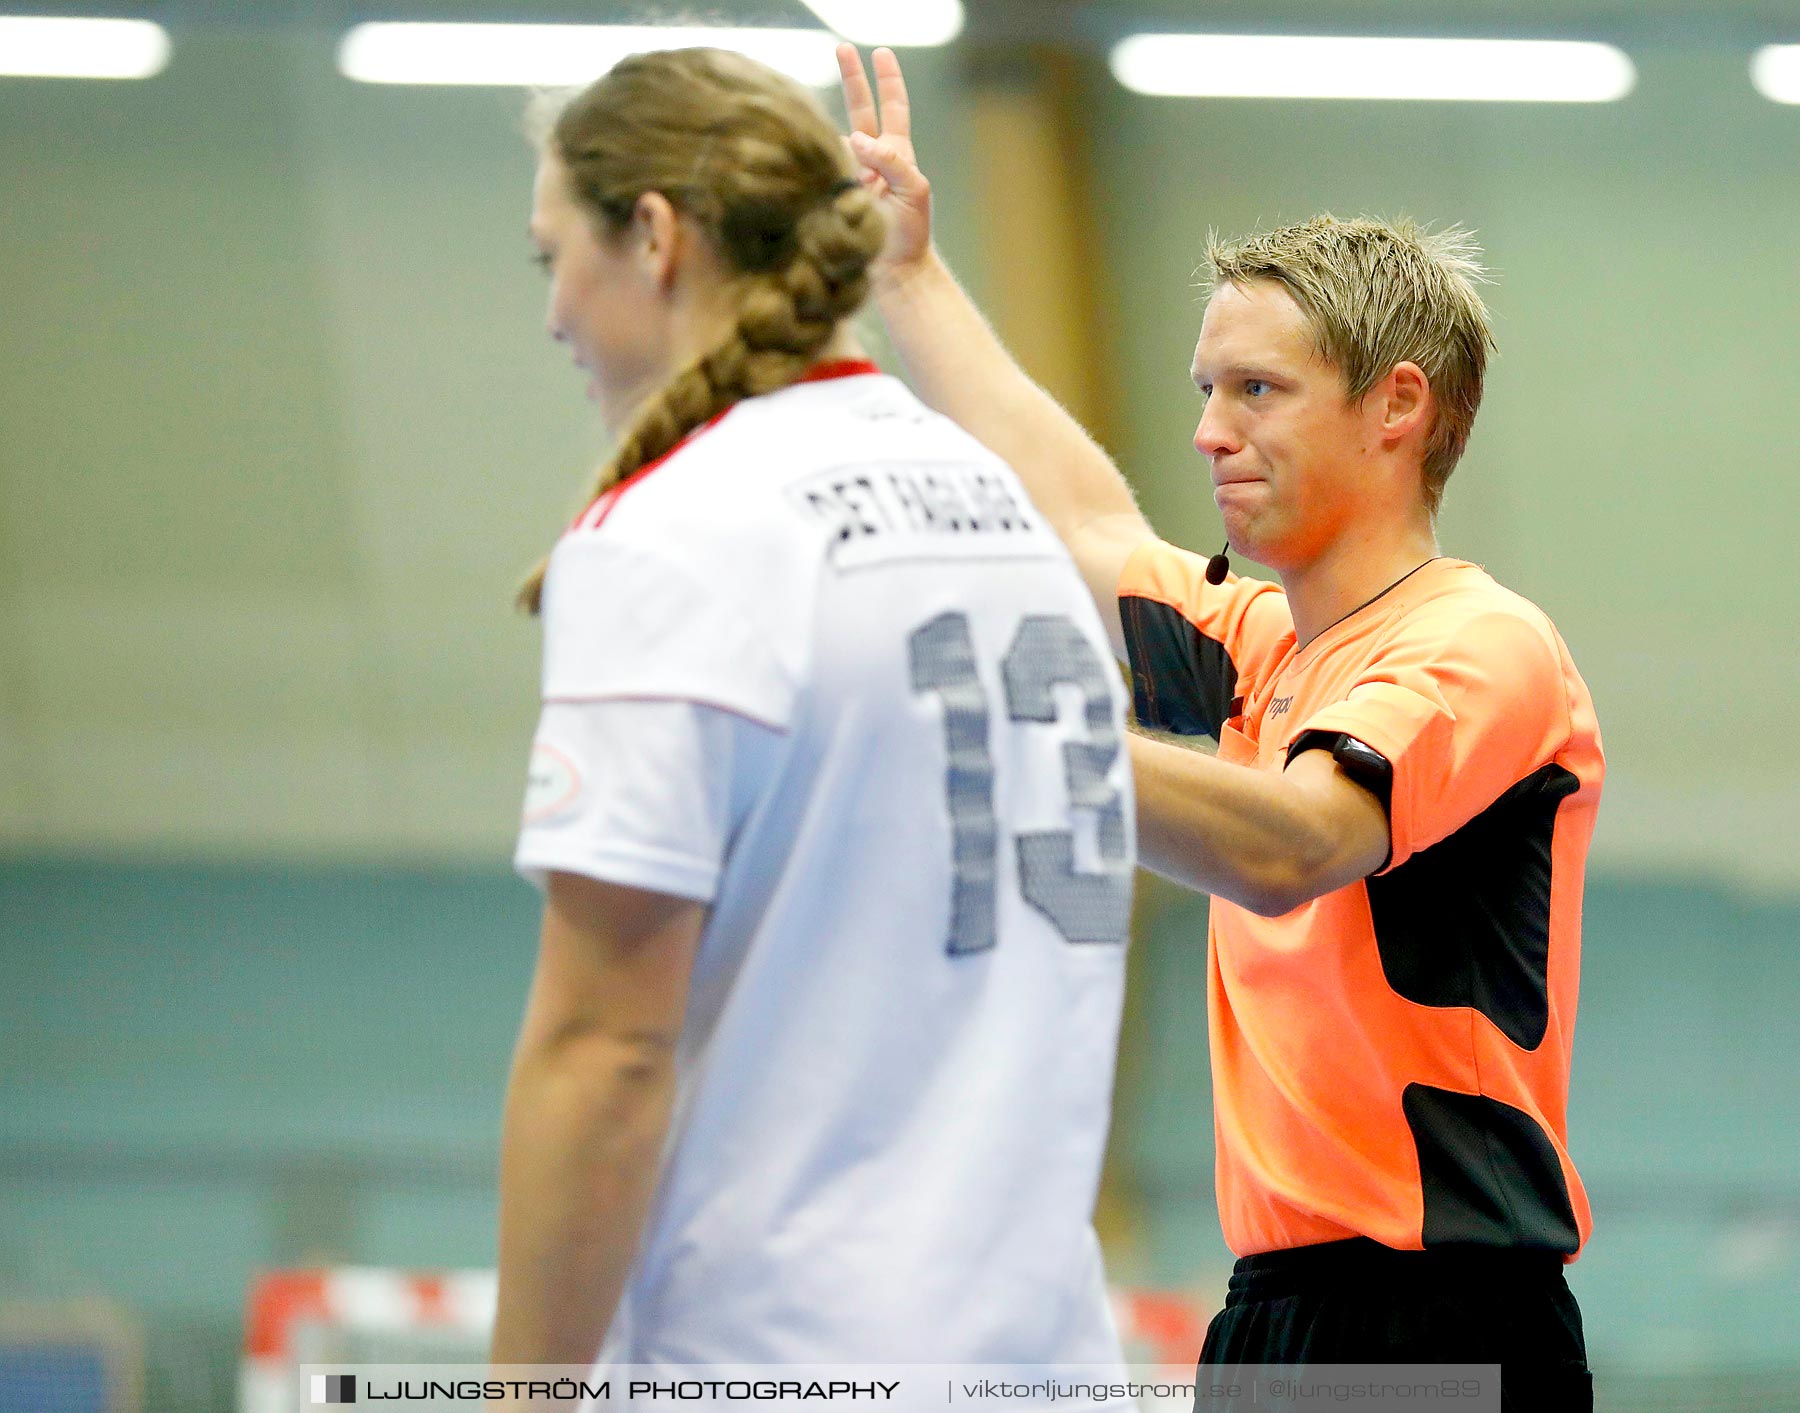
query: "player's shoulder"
1462, 591
1171, 574
712, 487
831, 475
1463, 610
736, 473
724, 508
857, 415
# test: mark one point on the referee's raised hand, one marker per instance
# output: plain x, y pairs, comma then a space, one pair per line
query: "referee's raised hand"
881, 140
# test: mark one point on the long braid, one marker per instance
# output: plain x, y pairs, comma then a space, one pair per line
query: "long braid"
803, 265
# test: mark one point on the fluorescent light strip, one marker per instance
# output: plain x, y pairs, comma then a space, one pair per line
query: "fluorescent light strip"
901, 23
1292, 66
34, 46
556, 56
1775, 70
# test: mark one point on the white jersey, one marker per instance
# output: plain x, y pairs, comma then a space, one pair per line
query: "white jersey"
827, 669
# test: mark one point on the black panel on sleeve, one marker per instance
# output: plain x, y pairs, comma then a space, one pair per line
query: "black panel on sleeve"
1181, 680
1489, 1173
1467, 921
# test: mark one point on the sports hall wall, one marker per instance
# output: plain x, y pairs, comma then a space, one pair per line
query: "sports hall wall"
279, 427
212, 1068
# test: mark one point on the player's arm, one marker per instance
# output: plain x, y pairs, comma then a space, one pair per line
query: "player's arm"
1267, 842
587, 1111
957, 363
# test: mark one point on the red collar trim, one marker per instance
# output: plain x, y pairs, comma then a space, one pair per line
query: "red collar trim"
841, 368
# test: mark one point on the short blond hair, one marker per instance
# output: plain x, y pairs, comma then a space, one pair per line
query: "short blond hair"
1377, 293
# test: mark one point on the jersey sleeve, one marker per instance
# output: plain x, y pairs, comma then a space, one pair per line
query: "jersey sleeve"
1195, 647
623, 621
1462, 708
643, 793
655, 683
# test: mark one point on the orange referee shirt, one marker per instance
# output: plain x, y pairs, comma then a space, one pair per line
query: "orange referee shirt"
1392, 1060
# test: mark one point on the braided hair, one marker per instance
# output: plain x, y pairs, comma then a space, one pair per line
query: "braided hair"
750, 158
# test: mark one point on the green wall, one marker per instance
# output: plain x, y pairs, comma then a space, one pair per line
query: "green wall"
208, 1071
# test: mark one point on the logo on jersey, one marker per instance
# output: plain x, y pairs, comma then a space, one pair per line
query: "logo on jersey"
553, 784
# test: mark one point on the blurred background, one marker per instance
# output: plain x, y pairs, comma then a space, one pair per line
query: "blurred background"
280, 429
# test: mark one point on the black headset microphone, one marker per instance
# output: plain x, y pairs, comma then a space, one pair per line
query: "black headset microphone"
1219, 566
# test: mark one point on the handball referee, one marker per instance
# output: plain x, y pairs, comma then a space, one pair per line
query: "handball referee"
1395, 827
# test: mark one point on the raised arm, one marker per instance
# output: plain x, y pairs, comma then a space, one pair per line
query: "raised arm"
959, 366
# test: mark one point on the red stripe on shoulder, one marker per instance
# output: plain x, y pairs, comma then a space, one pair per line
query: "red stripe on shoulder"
602, 505
595, 513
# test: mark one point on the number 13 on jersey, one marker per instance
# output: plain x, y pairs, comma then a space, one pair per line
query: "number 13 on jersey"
1047, 651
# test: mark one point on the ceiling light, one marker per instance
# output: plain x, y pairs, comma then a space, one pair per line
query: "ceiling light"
556, 56
1775, 70
896, 22
43, 47
1292, 66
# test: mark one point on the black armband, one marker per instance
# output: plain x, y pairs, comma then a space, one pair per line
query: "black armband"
1362, 763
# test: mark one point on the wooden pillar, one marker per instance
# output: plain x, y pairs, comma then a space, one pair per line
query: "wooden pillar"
1041, 252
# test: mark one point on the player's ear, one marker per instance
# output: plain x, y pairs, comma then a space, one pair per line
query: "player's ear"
1405, 400
656, 234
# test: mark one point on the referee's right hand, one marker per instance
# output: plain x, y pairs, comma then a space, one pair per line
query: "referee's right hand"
882, 142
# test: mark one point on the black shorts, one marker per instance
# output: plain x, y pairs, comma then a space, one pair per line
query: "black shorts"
1358, 1302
